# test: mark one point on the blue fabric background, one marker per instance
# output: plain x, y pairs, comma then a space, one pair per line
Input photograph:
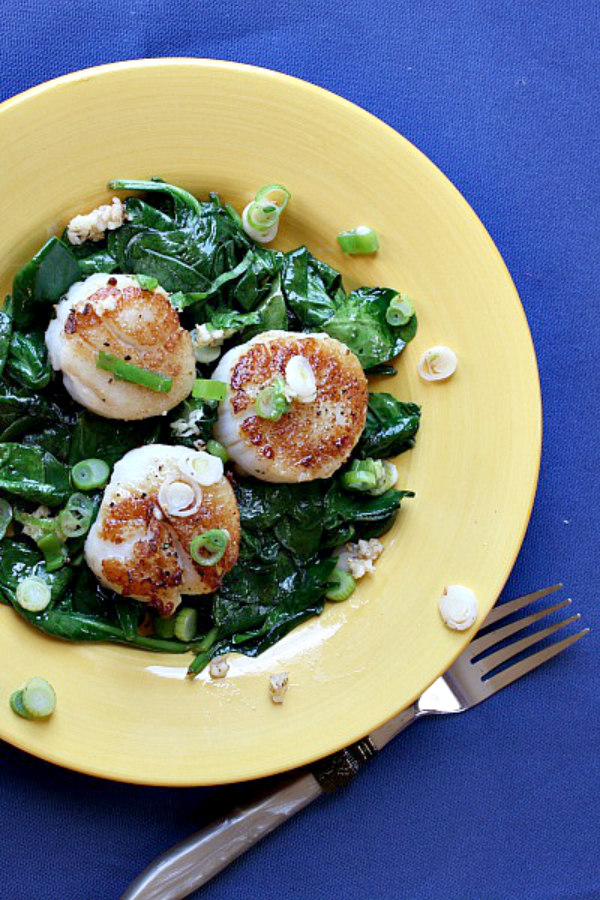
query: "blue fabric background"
502, 803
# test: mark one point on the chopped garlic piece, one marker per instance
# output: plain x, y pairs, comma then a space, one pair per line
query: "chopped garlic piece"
219, 667
93, 225
31, 529
458, 607
359, 559
278, 685
437, 364
300, 382
188, 427
207, 342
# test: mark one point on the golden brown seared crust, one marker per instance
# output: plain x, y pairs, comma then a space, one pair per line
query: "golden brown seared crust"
313, 439
143, 329
152, 571
152, 567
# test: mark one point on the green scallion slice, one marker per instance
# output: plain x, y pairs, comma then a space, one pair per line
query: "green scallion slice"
165, 628
6, 515
276, 194
400, 310
271, 403
359, 241
75, 519
90, 474
215, 448
16, 704
213, 542
39, 698
147, 282
186, 622
55, 555
207, 389
361, 476
33, 593
126, 371
342, 585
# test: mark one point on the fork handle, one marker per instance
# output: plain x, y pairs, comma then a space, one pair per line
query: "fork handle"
192, 863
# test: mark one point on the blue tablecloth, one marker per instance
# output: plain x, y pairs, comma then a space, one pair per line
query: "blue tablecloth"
502, 803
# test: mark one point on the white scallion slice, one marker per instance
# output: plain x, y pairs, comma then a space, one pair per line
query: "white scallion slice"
33, 593
437, 364
458, 607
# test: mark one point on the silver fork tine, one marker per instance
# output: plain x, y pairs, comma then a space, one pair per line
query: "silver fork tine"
514, 672
506, 609
479, 644
495, 659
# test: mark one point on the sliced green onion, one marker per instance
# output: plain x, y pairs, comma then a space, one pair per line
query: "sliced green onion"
387, 476
186, 621
147, 282
262, 215
33, 593
276, 194
55, 555
39, 698
400, 310
342, 585
207, 389
90, 474
214, 542
217, 449
361, 476
165, 628
271, 402
75, 519
126, 371
16, 704
359, 241
6, 515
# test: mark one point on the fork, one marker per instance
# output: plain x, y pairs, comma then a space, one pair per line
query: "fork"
469, 680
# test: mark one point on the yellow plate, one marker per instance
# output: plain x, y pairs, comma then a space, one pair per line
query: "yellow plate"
211, 125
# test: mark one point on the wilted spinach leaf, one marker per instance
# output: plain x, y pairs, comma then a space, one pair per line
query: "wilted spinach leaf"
44, 279
34, 474
390, 428
28, 360
359, 322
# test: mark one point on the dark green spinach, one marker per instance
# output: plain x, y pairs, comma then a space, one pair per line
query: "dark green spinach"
43, 280
390, 428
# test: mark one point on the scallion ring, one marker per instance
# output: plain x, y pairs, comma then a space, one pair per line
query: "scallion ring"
16, 704
361, 476
186, 622
213, 542
75, 519
33, 594
400, 310
359, 241
271, 402
342, 585
90, 474
276, 194
39, 698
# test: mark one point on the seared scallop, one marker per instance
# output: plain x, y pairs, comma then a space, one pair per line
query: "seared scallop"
327, 395
159, 499
112, 314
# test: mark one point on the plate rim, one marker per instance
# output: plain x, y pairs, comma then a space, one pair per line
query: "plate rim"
97, 71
